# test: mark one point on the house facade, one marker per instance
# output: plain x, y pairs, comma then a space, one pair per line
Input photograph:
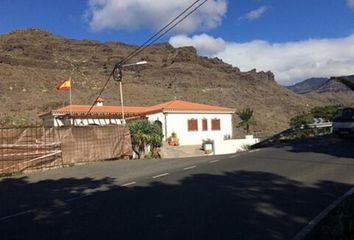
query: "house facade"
192, 122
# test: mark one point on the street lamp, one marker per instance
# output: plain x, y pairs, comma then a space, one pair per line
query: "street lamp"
118, 76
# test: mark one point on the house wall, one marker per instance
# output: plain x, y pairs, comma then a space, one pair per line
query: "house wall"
178, 122
233, 145
159, 117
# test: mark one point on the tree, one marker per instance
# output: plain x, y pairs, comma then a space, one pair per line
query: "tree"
144, 133
246, 116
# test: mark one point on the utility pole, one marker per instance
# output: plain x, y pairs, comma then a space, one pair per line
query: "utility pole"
118, 76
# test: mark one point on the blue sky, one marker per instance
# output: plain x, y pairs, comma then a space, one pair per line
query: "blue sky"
294, 39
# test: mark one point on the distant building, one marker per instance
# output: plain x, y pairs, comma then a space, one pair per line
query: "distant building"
192, 122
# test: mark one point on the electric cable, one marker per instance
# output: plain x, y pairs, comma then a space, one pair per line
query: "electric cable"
167, 28
156, 34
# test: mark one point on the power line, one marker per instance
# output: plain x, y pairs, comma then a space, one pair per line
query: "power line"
158, 35
166, 30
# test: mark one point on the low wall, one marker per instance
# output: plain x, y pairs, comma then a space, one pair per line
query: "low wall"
28, 149
233, 145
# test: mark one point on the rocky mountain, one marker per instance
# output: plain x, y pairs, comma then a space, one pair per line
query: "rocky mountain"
33, 61
307, 85
321, 85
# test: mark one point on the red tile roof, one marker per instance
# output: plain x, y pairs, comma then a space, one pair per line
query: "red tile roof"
174, 105
179, 105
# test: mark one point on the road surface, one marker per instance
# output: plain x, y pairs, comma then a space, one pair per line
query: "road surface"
271, 193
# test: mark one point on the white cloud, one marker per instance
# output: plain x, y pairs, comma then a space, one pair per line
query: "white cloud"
350, 4
257, 13
152, 14
290, 62
205, 44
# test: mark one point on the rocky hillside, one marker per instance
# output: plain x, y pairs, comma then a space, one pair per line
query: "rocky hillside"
307, 85
33, 61
326, 90
321, 85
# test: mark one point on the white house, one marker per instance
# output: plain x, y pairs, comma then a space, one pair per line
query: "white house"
192, 122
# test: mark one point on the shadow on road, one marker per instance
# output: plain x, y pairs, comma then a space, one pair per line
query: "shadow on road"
234, 205
329, 145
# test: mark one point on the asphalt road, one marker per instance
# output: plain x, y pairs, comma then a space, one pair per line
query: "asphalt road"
270, 193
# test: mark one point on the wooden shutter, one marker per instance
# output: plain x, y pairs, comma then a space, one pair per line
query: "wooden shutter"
215, 124
205, 124
192, 125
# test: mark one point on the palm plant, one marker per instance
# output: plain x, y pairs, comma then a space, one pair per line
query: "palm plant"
144, 133
246, 116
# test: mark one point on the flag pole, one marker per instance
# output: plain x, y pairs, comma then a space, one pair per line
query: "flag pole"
70, 99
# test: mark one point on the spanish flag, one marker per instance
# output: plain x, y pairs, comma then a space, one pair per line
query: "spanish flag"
64, 85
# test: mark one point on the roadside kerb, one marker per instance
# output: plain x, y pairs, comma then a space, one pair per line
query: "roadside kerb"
314, 222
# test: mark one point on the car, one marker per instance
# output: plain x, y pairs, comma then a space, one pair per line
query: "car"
343, 122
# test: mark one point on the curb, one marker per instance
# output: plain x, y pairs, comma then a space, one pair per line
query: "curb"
314, 222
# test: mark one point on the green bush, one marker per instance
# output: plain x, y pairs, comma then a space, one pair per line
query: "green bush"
300, 134
302, 119
325, 112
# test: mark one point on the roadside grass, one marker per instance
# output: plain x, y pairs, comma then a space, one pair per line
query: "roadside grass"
339, 224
